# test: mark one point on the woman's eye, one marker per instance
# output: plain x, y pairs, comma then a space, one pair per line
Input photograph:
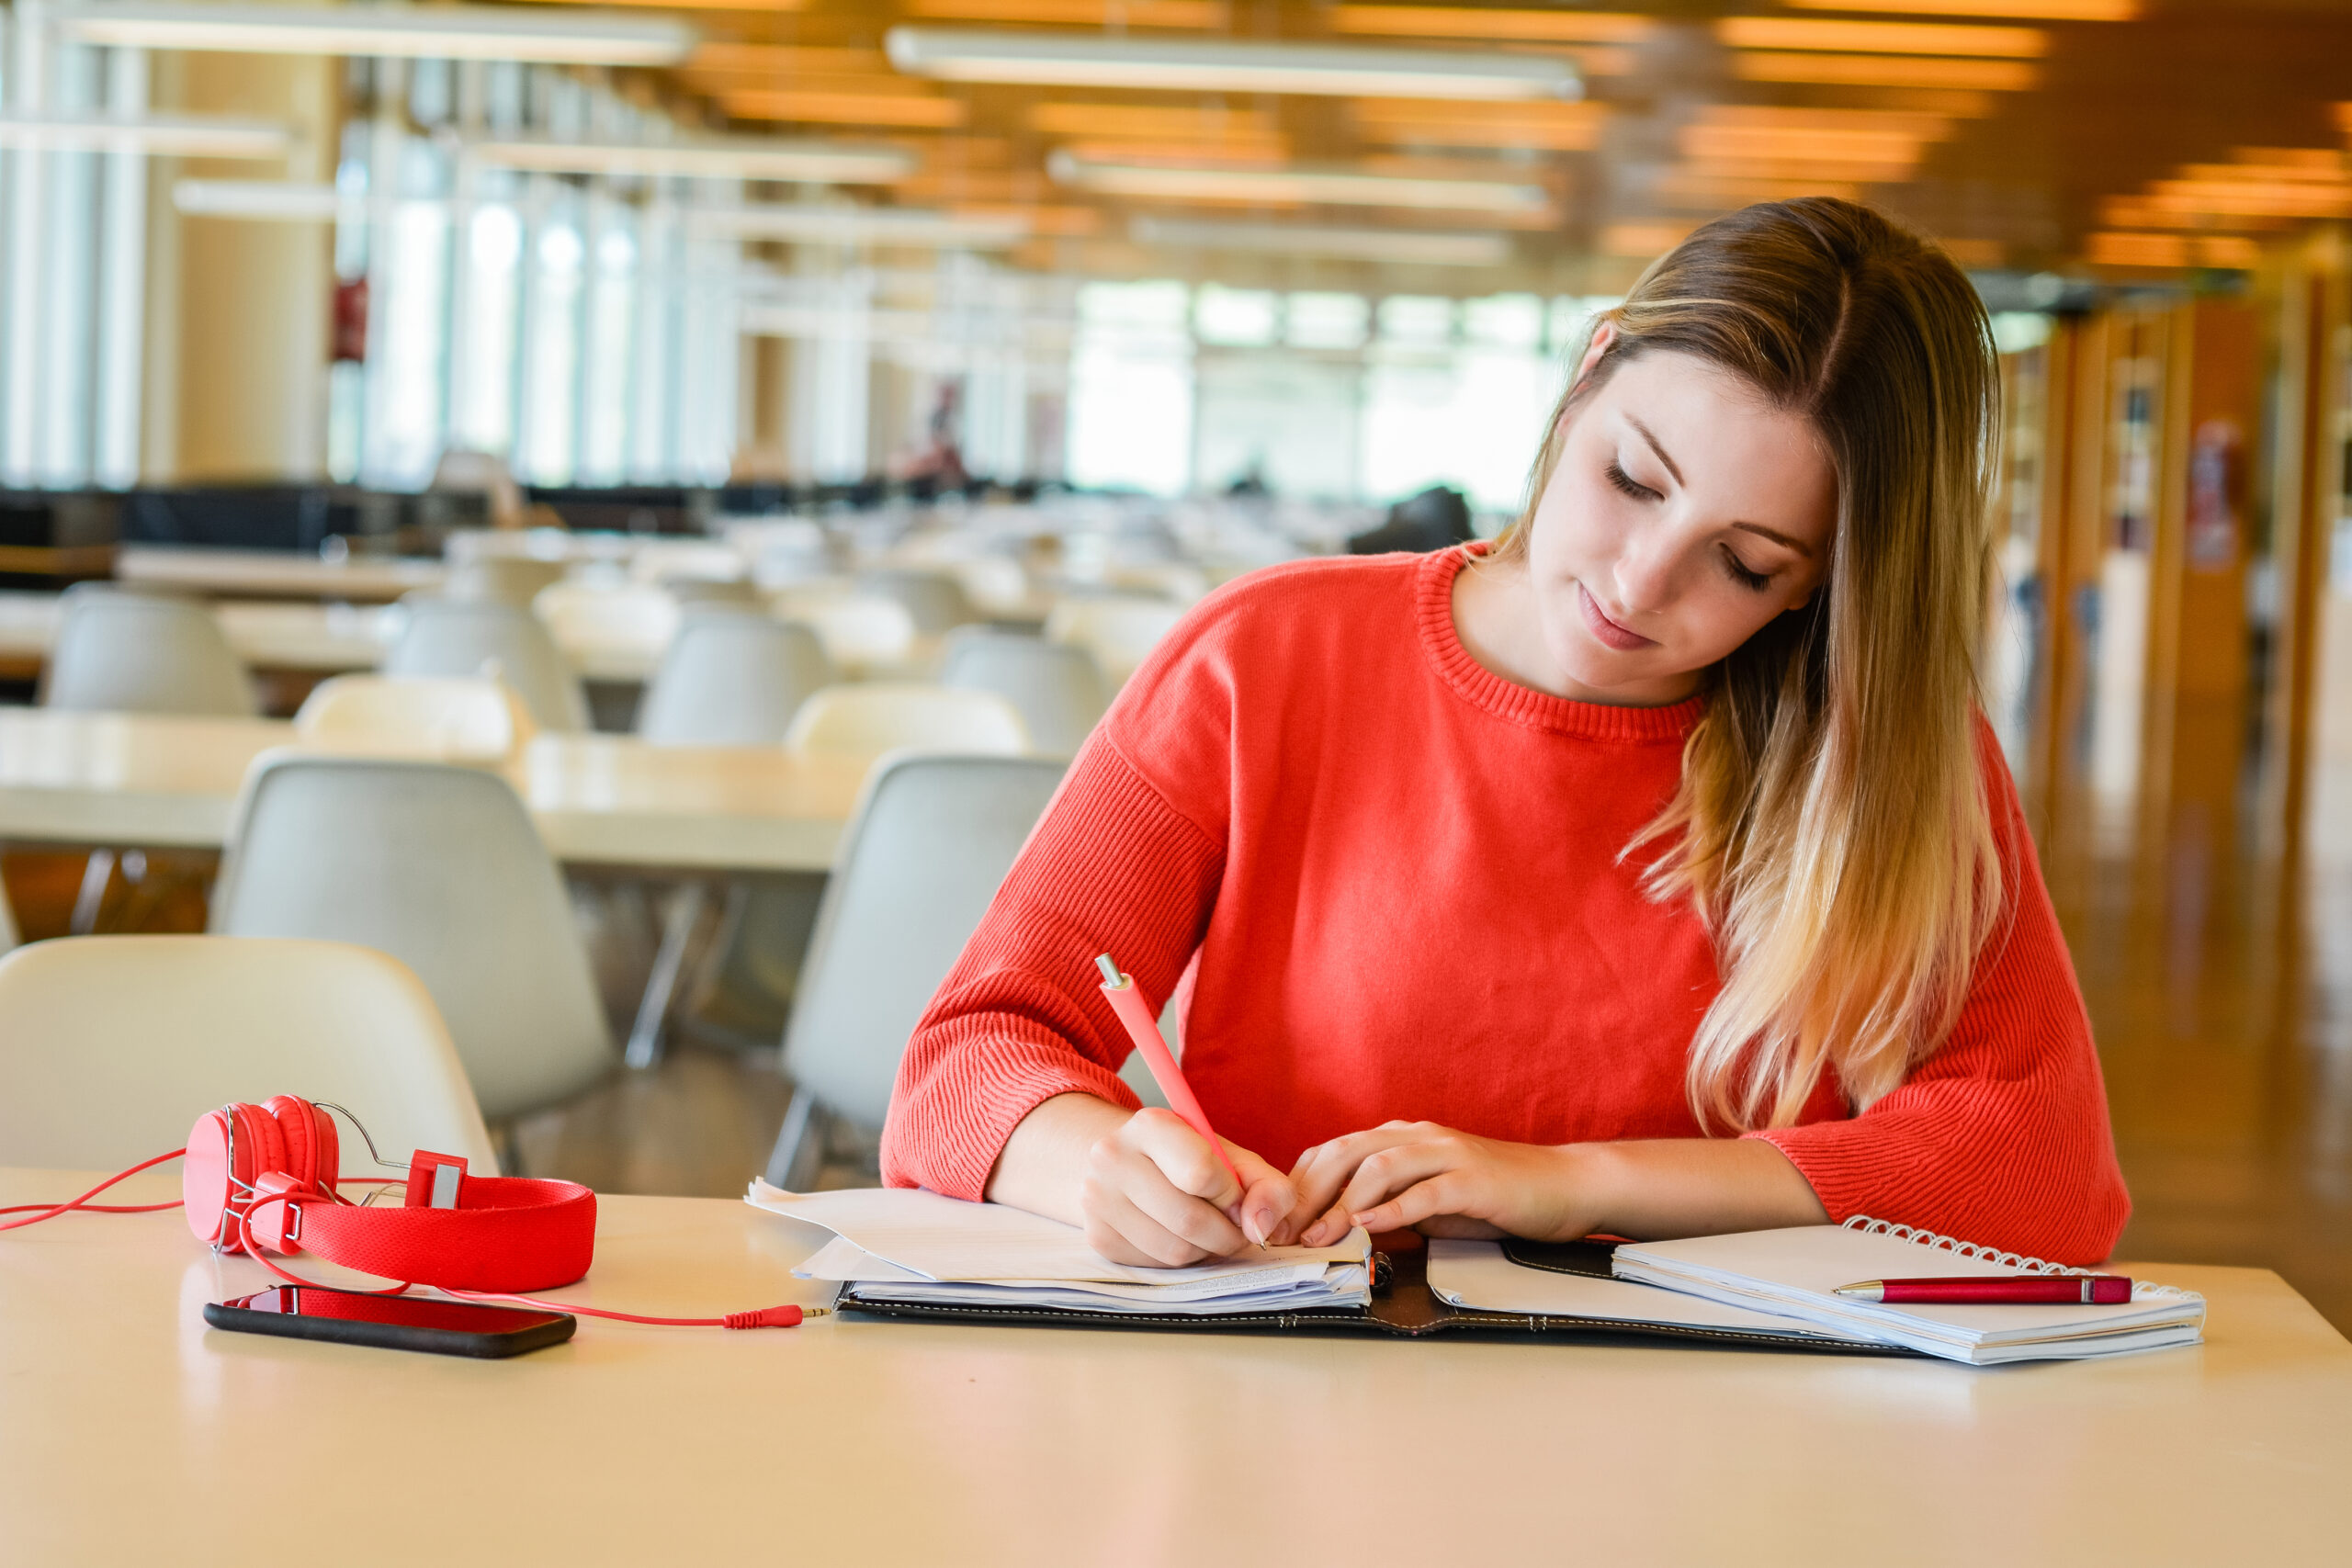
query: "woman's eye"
1741, 573
1626, 482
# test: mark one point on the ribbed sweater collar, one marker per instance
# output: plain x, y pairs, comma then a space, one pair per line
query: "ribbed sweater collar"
1433, 602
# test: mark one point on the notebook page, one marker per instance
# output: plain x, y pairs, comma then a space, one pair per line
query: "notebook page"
1475, 1274
947, 1238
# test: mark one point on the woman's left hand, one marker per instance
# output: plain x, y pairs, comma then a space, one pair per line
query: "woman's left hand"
1442, 1182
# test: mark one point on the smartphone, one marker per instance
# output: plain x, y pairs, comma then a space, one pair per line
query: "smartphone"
395, 1323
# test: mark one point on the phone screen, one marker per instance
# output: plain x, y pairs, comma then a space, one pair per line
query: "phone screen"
401, 1322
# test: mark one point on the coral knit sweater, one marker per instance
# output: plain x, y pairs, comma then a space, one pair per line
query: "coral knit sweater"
1399, 875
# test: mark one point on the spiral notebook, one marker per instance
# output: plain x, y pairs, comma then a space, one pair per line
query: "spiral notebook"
1795, 1274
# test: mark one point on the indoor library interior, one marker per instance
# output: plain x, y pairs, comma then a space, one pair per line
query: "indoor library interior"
841, 749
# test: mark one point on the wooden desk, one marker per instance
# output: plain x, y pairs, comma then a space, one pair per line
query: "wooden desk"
162, 782
129, 1423
276, 574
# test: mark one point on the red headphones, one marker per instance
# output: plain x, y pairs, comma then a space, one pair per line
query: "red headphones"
265, 1176
264, 1179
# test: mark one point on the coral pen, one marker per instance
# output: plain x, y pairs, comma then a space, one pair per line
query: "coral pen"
1998, 1290
1144, 1030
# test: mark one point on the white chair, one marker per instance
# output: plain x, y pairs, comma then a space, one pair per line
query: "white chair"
867, 720
1055, 685
499, 578
860, 631
8, 937
666, 561
450, 718
439, 867
932, 839
934, 598
138, 652
1118, 630
731, 678
113, 1045
587, 618
454, 637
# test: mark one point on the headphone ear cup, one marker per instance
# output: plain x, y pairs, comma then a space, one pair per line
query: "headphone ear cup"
206, 1176
298, 1125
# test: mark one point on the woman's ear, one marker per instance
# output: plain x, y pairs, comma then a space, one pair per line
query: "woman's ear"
1603, 336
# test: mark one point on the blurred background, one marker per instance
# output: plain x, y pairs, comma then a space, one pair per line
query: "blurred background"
1036, 318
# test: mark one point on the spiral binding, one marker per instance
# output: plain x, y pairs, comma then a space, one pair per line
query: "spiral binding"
2141, 1288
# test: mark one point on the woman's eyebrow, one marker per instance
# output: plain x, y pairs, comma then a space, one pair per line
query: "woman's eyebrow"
1775, 535
1662, 458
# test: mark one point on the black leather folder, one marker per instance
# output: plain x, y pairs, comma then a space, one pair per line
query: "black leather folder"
1403, 1307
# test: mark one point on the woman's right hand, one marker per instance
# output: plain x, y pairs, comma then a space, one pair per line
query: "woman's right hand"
1155, 1194
1146, 1188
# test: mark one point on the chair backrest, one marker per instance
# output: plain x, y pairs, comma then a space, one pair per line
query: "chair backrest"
135, 652
733, 678
859, 630
1056, 686
439, 867
456, 636
452, 717
1118, 630
867, 720
934, 598
112, 1046
500, 578
933, 837
633, 617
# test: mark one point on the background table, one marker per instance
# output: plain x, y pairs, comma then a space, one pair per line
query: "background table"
129, 1423
156, 781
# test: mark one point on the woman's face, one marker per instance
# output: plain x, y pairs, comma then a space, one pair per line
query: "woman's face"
1683, 514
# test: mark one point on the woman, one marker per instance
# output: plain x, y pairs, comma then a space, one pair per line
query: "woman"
1651, 873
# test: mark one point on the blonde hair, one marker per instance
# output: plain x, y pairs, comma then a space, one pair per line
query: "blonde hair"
1831, 824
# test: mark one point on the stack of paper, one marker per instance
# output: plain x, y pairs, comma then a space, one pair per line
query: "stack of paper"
900, 1245
1795, 1274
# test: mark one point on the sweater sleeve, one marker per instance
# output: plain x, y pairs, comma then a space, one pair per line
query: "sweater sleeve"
1112, 867
2000, 1137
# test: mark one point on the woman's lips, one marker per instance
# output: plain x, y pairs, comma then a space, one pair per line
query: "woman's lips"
1609, 633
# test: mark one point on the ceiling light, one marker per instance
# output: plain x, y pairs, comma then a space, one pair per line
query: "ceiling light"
1883, 71
839, 106
1343, 187
865, 226
1403, 247
1101, 60
2228, 251
570, 37
2024, 10
1882, 37
1554, 128
730, 157
183, 135
1201, 14
271, 201
1467, 22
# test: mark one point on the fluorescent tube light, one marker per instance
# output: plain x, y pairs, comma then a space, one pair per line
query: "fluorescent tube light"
1105, 60
713, 157
1401, 246
1343, 186
274, 202
183, 135
864, 225
1882, 38
566, 36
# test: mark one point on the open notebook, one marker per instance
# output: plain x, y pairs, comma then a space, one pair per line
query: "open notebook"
1793, 1274
897, 1245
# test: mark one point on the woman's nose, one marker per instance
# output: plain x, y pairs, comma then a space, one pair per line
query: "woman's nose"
1645, 572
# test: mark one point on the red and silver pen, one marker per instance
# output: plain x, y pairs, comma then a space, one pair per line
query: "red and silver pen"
1999, 1290
1143, 1030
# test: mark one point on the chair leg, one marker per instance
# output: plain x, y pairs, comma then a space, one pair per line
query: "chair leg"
654, 1009
799, 1145
96, 873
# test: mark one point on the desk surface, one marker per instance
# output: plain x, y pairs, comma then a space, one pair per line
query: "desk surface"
130, 1423
276, 574
163, 782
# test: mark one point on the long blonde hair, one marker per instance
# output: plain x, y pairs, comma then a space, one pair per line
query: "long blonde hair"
1831, 824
